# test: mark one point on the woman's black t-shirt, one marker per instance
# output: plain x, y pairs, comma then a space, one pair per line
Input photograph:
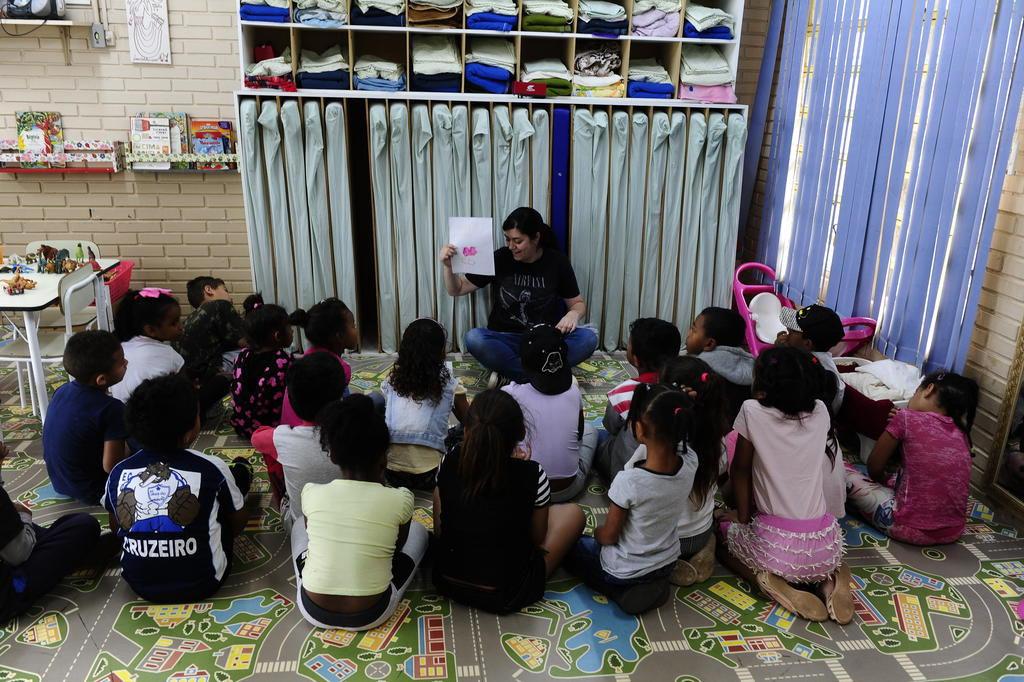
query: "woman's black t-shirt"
526, 294
486, 540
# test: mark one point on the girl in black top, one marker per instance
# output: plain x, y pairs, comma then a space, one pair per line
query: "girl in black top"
498, 535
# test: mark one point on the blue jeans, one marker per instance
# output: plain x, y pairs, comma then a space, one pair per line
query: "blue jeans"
499, 351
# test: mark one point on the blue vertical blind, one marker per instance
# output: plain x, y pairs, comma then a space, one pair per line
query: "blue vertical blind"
893, 123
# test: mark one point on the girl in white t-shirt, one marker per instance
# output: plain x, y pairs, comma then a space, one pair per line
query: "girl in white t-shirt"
147, 321
696, 536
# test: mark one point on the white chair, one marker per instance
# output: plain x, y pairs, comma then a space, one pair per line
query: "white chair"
53, 318
76, 293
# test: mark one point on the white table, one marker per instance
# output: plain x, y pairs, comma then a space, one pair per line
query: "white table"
46, 294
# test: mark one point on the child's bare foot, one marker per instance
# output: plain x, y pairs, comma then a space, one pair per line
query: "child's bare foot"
803, 604
837, 595
697, 568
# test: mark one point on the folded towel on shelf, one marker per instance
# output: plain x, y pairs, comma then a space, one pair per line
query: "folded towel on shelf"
329, 5
330, 59
666, 6
392, 7
321, 18
646, 89
497, 52
381, 84
714, 94
488, 78
275, 66
552, 8
648, 70
556, 87
615, 88
489, 21
376, 17
654, 22
371, 66
600, 60
704, 18
433, 55
704, 65
544, 22
284, 83
441, 82
433, 17
504, 7
249, 12
600, 9
713, 33
603, 27
540, 69
282, 4
324, 80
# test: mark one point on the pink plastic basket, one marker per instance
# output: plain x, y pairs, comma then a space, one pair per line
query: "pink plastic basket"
119, 280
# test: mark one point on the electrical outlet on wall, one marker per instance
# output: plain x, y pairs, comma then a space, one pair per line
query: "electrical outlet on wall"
98, 35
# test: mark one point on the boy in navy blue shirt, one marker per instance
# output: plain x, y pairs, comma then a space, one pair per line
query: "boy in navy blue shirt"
84, 436
177, 511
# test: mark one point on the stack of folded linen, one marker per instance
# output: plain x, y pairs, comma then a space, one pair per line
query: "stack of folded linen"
490, 64
597, 72
551, 16
552, 73
436, 66
378, 12
648, 78
321, 13
275, 11
709, 23
374, 73
491, 15
656, 17
705, 75
435, 13
605, 18
326, 71
271, 72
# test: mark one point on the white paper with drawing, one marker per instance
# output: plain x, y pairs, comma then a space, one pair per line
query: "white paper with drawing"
149, 40
474, 248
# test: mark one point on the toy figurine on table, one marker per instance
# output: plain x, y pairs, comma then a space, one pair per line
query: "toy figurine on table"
92, 259
17, 285
47, 257
79, 253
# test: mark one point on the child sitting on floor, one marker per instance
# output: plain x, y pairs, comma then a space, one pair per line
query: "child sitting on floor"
419, 394
498, 537
213, 332
781, 531
556, 437
146, 322
925, 503
652, 342
33, 559
329, 327
292, 453
716, 335
633, 552
83, 435
358, 549
176, 510
258, 383
694, 377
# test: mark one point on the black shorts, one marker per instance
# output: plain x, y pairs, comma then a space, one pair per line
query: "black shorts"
526, 587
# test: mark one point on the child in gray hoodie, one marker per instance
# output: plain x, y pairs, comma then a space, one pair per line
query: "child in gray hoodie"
716, 335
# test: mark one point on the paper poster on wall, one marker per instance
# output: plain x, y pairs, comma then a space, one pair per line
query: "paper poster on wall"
474, 248
149, 40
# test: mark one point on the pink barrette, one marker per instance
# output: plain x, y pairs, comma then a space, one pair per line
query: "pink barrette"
704, 377
154, 292
676, 411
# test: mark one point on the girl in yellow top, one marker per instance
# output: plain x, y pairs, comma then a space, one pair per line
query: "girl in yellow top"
358, 550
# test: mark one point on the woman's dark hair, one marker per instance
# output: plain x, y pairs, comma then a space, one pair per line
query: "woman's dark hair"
354, 433
137, 310
668, 414
420, 372
494, 426
262, 321
958, 396
689, 373
324, 322
529, 222
314, 381
160, 411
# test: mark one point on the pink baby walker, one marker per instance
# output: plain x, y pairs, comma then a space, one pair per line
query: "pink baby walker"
759, 304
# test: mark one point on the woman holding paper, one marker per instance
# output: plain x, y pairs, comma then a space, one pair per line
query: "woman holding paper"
536, 285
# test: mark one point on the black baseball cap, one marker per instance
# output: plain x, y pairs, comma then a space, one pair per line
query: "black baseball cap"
545, 359
820, 325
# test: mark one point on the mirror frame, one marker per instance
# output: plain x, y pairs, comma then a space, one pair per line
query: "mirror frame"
1006, 501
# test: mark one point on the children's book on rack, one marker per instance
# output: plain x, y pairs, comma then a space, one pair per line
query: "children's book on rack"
151, 135
40, 132
209, 138
178, 124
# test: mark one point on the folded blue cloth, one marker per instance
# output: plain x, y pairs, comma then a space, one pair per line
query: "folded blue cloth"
713, 33
489, 21
442, 82
604, 27
376, 17
318, 17
263, 13
325, 80
488, 78
381, 84
650, 90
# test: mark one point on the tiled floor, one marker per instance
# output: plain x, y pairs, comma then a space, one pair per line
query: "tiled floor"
945, 613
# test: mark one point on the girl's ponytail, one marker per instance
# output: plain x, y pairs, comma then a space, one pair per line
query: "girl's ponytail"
958, 396
494, 427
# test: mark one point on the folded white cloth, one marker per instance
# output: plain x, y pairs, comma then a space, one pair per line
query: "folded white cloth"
276, 66
440, 4
596, 81
666, 6
432, 55
648, 70
269, 3
390, 6
544, 68
329, 5
371, 66
704, 65
330, 59
506, 7
704, 18
899, 376
554, 8
600, 9
493, 52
